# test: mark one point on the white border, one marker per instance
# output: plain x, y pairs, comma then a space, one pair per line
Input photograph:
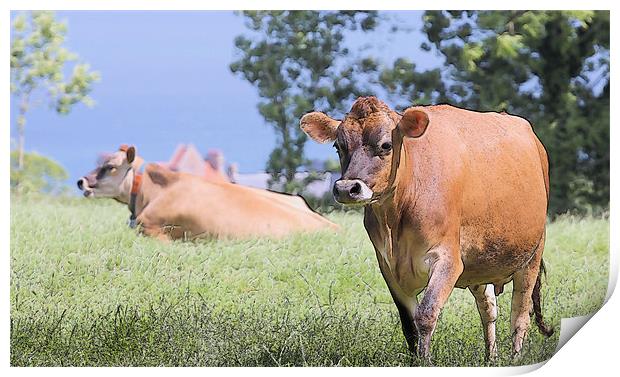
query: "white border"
594, 349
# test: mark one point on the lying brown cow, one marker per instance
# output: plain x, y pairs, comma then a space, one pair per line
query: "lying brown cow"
453, 198
171, 205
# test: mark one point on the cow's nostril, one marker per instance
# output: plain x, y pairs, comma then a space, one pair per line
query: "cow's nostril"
335, 191
80, 184
355, 189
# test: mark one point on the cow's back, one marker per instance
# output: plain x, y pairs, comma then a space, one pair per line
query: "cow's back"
495, 175
228, 210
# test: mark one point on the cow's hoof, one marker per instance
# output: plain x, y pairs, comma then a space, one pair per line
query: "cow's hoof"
491, 357
491, 360
425, 361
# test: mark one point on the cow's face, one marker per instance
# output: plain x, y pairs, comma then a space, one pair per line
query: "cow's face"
108, 180
365, 141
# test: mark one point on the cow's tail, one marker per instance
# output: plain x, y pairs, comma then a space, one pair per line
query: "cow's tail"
545, 329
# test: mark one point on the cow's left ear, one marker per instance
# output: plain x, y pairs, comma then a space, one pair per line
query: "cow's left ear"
131, 154
413, 123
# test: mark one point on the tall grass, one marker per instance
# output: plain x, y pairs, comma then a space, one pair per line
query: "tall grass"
86, 290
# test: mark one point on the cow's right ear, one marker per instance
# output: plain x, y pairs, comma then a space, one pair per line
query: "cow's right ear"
413, 123
131, 154
320, 127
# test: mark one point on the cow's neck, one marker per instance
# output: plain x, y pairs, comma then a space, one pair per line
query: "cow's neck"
390, 211
386, 212
400, 193
147, 191
385, 231
125, 190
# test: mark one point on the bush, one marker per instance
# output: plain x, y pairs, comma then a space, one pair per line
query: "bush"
39, 174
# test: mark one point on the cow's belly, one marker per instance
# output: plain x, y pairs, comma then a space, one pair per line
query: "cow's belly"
499, 232
493, 257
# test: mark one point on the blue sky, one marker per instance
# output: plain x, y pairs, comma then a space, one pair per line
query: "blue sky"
165, 81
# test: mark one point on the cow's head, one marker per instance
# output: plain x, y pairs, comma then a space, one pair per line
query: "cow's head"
109, 179
368, 142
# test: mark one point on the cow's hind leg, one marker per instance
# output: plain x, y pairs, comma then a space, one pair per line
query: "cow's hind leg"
524, 283
487, 307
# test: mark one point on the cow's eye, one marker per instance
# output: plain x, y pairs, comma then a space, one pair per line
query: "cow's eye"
101, 173
386, 146
106, 169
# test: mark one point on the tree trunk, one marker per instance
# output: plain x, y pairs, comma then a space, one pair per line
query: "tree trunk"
21, 124
287, 147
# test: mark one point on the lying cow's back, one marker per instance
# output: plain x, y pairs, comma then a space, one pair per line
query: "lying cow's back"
222, 209
488, 171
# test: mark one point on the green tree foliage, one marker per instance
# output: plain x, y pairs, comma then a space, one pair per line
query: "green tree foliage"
298, 62
38, 65
40, 174
407, 85
551, 67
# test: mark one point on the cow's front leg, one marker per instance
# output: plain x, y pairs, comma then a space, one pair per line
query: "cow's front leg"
152, 228
156, 232
406, 308
446, 267
487, 307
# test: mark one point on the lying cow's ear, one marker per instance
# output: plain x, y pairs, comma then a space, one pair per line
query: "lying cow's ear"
413, 123
320, 127
131, 154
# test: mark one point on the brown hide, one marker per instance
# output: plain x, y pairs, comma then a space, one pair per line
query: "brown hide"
474, 178
188, 206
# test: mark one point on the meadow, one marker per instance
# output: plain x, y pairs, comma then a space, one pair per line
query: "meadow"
88, 291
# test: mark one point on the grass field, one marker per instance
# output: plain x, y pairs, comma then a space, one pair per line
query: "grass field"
87, 291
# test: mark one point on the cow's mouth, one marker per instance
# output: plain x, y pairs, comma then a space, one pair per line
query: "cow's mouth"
87, 189
355, 203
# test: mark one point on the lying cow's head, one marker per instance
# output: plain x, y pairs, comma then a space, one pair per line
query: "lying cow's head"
108, 180
367, 140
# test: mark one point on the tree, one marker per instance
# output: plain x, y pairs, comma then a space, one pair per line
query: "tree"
38, 63
39, 174
551, 67
406, 85
298, 62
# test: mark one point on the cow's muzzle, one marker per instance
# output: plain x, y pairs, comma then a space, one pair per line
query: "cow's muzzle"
350, 191
83, 185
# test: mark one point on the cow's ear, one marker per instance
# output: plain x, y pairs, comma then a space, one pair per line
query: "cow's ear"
131, 154
413, 123
320, 127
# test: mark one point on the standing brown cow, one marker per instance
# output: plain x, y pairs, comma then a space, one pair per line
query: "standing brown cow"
453, 198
